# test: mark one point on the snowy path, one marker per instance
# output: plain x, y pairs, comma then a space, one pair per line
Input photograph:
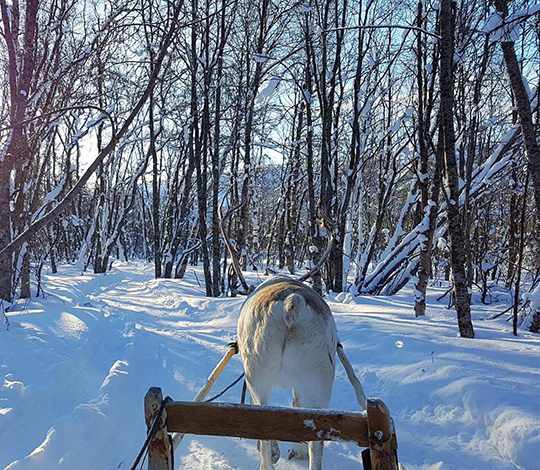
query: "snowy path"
74, 369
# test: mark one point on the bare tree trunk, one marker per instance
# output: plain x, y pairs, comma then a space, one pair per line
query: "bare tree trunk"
156, 170
196, 148
252, 89
532, 150
293, 190
20, 70
25, 274
5, 230
326, 89
457, 254
424, 265
513, 231
425, 255
313, 247
344, 241
216, 244
54, 267
156, 188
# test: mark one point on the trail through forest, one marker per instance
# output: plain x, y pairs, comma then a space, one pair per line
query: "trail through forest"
76, 365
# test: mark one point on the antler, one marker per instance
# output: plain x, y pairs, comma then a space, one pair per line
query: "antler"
322, 259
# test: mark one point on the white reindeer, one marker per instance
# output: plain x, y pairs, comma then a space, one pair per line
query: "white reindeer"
287, 339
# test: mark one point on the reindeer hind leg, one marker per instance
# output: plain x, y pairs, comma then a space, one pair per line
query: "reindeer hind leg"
314, 397
267, 449
299, 450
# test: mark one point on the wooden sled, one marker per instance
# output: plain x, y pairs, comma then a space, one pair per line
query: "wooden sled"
168, 421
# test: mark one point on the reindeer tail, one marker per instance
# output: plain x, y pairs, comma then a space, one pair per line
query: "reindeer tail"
292, 305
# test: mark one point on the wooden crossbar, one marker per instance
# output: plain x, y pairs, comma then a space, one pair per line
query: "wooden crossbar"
373, 430
266, 422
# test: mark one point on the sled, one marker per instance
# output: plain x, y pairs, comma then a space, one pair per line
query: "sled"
168, 421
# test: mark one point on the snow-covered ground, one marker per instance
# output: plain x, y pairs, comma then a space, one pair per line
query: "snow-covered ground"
74, 368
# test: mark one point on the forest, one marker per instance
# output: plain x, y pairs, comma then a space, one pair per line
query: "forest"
376, 149
243, 134
128, 127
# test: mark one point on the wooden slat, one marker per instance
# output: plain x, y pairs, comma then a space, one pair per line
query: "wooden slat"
267, 423
159, 450
382, 438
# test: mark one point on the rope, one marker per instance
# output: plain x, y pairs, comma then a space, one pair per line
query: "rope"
227, 388
172, 450
243, 396
144, 460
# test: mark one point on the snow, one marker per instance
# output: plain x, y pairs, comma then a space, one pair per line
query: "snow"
534, 297
269, 89
501, 30
260, 58
50, 197
309, 423
486, 266
493, 22
75, 367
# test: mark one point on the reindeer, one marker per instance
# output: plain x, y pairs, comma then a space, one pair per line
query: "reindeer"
287, 339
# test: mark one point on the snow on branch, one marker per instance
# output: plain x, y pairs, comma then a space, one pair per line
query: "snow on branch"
386, 26
502, 29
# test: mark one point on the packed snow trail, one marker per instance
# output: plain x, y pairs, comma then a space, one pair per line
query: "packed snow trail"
74, 368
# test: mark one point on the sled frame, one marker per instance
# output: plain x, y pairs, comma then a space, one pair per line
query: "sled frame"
373, 430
